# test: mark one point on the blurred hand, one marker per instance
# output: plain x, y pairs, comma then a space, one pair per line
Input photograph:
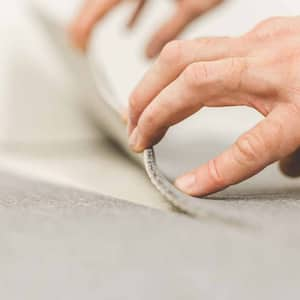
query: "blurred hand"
260, 69
94, 10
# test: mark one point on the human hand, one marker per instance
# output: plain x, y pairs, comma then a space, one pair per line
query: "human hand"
94, 10
260, 69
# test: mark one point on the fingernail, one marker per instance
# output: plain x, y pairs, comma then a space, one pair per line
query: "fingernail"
134, 141
186, 183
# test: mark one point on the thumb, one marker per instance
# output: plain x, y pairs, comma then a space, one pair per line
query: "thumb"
251, 153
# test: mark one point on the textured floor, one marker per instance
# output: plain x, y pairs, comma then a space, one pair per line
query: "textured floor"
61, 243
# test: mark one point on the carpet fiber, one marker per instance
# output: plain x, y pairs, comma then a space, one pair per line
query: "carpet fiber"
59, 243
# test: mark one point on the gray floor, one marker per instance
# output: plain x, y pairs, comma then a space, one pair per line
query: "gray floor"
58, 243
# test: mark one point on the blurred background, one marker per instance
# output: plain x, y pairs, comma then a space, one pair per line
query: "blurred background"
44, 130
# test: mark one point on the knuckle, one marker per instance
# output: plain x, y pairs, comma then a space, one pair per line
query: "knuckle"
151, 125
215, 175
147, 123
172, 53
262, 145
245, 150
195, 74
268, 23
267, 28
236, 68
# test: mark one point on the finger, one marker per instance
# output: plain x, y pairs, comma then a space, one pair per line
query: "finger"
172, 28
136, 14
290, 165
185, 14
218, 83
175, 57
82, 26
251, 153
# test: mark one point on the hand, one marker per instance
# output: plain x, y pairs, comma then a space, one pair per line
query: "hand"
260, 69
94, 10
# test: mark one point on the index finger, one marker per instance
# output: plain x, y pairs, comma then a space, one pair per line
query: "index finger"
174, 58
212, 84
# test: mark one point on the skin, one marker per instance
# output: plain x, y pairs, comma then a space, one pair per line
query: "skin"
93, 11
260, 69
